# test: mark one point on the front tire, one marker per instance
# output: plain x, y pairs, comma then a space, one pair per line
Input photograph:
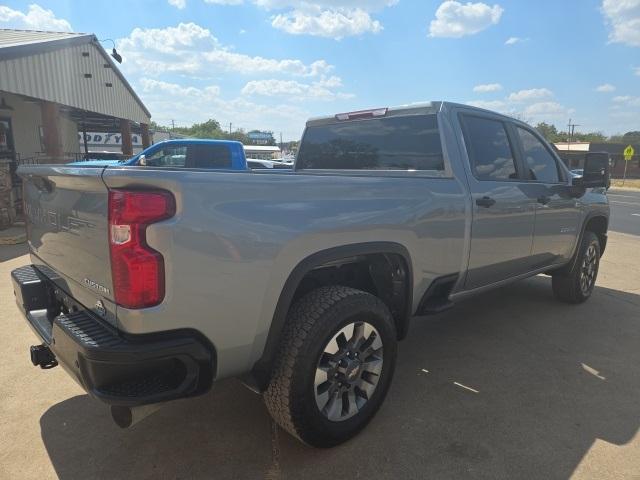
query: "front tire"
334, 367
576, 285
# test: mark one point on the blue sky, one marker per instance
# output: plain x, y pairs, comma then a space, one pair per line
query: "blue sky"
270, 64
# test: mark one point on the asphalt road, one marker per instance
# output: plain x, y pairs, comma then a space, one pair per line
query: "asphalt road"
625, 211
511, 384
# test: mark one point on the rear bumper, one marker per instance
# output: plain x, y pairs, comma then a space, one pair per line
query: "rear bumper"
117, 368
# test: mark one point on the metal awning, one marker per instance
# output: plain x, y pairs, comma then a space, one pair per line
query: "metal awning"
96, 122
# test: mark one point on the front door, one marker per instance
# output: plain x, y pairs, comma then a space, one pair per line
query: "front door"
557, 212
503, 213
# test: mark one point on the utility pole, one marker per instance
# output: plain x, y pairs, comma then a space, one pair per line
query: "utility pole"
280, 142
572, 129
173, 128
230, 128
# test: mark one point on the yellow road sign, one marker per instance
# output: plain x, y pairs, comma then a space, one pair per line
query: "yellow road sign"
628, 153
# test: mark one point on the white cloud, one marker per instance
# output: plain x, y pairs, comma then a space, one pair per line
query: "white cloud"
513, 40
190, 49
605, 88
179, 4
528, 105
623, 17
531, 94
322, 89
368, 5
224, 2
488, 87
188, 105
173, 89
36, 18
627, 100
324, 18
545, 109
637, 71
455, 20
333, 23
496, 105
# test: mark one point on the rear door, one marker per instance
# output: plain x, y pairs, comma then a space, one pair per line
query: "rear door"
503, 213
557, 213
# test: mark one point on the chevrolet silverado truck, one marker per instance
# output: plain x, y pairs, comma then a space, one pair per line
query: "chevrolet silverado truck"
148, 284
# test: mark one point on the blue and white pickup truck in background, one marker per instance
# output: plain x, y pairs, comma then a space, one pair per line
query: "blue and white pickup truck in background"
190, 153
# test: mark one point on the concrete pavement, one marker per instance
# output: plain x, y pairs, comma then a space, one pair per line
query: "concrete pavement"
511, 384
625, 211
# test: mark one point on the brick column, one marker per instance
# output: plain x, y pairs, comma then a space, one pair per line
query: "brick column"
125, 132
146, 141
51, 131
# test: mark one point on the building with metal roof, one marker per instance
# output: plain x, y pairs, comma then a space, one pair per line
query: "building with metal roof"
56, 86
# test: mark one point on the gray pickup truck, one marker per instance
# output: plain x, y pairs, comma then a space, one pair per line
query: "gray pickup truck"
148, 284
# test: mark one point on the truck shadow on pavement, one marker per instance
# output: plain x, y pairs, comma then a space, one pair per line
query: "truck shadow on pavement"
9, 252
537, 382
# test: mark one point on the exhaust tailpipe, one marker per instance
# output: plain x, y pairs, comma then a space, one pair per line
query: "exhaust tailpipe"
126, 417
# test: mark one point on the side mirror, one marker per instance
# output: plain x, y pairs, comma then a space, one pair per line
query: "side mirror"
596, 170
142, 160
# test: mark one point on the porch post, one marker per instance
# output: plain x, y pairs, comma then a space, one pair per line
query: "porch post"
125, 132
145, 135
51, 131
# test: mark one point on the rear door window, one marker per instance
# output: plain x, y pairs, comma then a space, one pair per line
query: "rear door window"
410, 142
489, 149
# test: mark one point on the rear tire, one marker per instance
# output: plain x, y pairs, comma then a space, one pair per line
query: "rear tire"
334, 367
576, 285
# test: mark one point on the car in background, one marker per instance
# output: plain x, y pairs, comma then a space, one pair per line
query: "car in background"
579, 172
258, 163
105, 155
186, 153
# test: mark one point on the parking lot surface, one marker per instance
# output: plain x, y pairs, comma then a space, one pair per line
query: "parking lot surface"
625, 210
511, 384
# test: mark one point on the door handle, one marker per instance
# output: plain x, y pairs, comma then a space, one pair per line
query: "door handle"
543, 199
485, 202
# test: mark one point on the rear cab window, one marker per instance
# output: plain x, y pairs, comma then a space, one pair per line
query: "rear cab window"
208, 156
401, 142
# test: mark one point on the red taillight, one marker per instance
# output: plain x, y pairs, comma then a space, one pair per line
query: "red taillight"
136, 268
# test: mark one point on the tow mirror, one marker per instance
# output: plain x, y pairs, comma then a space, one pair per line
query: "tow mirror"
596, 171
142, 160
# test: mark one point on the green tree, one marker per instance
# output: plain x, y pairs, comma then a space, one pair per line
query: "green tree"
548, 131
631, 137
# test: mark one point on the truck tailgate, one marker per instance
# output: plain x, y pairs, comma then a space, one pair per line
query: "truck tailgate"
67, 227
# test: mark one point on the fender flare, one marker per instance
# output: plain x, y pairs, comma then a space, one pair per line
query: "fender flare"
262, 367
591, 215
